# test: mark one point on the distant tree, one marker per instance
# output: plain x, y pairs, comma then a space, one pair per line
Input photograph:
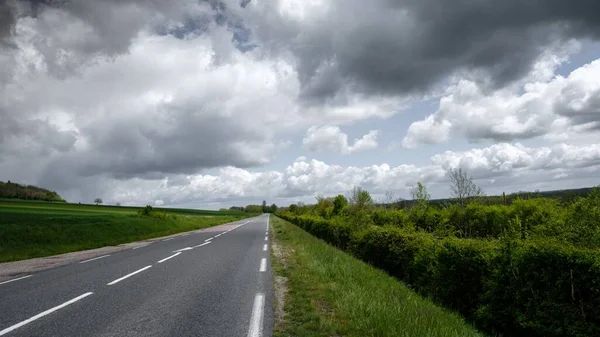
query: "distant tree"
97, 201
359, 199
273, 208
419, 194
324, 206
253, 209
339, 204
389, 197
462, 186
118, 204
264, 206
293, 208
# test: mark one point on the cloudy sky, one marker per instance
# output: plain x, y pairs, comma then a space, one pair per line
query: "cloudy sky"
210, 104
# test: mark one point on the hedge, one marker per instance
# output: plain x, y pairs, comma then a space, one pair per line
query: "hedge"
504, 287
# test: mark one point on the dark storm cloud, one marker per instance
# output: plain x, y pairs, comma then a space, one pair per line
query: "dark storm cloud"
126, 149
394, 47
7, 20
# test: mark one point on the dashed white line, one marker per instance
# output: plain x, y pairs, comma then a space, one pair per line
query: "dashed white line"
208, 239
265, 248
40, 315
256, 320
170, 257
263, 265
266, 238
128, 275
96, 258
138, 247
200, 245
16, 279
168, 239
182, 249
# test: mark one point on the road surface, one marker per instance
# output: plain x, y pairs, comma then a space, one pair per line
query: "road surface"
211, 283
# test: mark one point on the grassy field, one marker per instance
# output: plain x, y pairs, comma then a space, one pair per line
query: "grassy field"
330, 293
36, 229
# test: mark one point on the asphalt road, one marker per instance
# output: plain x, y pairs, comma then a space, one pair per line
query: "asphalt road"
180, 287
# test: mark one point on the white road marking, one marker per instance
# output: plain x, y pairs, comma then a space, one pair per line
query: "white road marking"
141, 246
170, 257
216, 236
128, 275
182, 249
168, 239
266, 238
265, 248
263, 265
96, 258
40, 315
208, 239
256, 320
200, 245
16, 279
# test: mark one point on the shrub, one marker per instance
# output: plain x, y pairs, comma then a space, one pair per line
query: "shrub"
397, 218
507, 287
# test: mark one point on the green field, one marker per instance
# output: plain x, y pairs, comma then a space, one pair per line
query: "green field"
331, 293
31, 229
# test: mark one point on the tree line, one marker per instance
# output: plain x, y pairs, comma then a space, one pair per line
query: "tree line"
27, 192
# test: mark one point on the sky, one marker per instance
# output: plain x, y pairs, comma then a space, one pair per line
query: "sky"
210, 104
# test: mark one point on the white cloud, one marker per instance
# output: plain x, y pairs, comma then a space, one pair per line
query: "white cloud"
560, 108
500, 167
331, 139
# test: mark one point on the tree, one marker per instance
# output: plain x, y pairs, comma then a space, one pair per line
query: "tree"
118, 204
273, 208
462, 186
359, 199
419, 194
293, 208
264, 206
339, 204
97, 201
323, 207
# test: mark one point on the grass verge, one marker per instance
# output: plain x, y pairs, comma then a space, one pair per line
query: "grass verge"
330, 293
28, 232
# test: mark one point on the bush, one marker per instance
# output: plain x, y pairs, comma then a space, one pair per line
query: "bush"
384, 217
150, 212
477, 221
506, 287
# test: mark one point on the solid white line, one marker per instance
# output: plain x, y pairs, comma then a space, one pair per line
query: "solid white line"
208, 239
256, 320
49, 311
128, 275
265, 248
263, 265
16, 279
170, 257
168, 239
96, 258
200, 245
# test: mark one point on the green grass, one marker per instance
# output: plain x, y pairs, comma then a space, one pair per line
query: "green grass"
14, 205
36, 229
331, 293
